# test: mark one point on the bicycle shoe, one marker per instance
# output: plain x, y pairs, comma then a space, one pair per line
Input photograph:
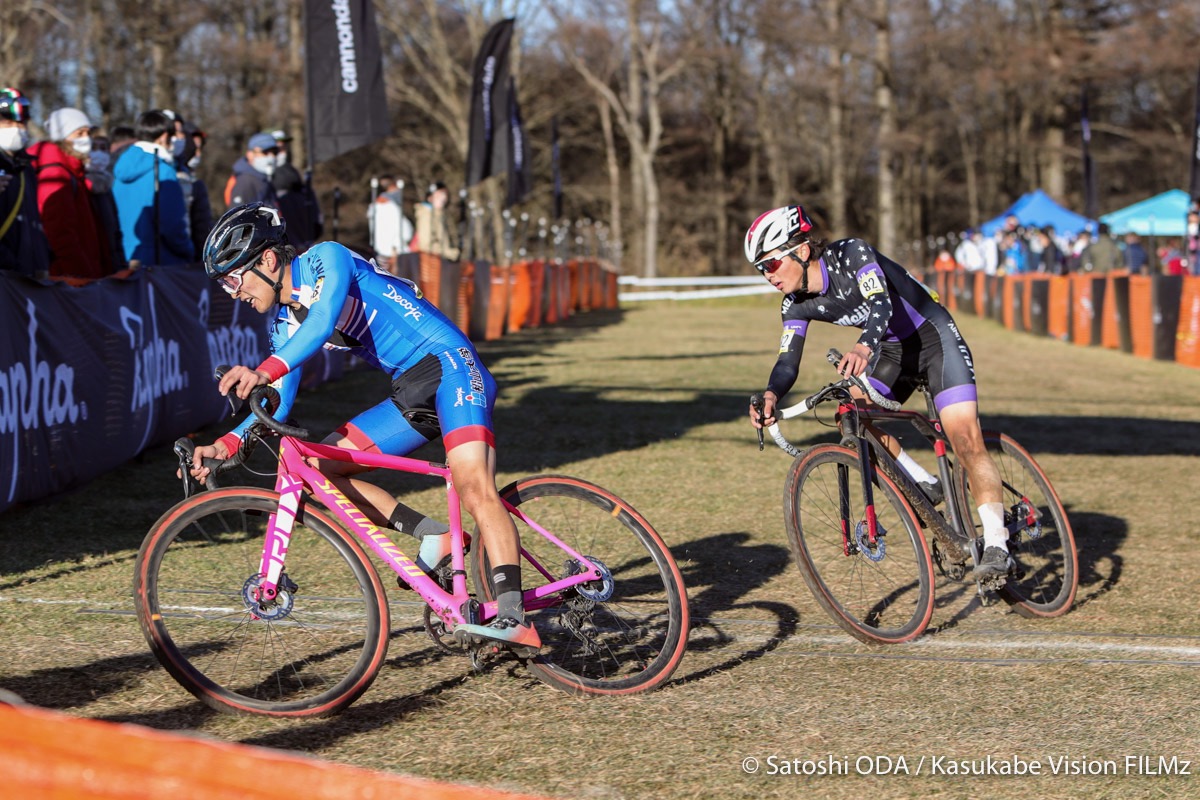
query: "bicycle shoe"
520, 637
933, 491
994, 562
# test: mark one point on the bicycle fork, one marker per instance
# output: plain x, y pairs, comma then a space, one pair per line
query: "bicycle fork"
275, 544
860, 536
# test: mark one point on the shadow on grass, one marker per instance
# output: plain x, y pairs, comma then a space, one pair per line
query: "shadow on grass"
63, 688
718, 571
1098, 541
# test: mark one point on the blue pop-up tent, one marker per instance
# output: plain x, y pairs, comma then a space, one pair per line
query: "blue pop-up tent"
1037, 209
1162, 215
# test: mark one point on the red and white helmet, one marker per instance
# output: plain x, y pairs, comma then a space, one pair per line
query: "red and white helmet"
774, 229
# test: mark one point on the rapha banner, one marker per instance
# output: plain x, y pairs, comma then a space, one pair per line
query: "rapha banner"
488, 150
347, 105
520, 176
91, 376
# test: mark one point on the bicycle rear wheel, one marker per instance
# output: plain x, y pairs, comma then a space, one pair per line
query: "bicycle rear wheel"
626, 633
1047, 575
311, 653
881, 593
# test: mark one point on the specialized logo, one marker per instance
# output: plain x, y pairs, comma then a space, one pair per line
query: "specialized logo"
34, 394
411, 309
383, 545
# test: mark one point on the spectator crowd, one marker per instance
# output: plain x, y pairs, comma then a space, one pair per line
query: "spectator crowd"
1016, 249
82, 203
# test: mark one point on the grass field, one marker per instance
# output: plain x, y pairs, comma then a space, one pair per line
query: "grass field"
651, 403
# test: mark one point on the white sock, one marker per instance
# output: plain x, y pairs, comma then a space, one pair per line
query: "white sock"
914, 470
994, 532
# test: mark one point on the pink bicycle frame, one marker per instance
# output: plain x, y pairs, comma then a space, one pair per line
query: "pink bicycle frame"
295, 475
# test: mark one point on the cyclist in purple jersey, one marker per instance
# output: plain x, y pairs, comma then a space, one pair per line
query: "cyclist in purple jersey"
330, 297
907, 337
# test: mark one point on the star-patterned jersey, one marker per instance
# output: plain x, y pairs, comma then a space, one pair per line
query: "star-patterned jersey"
347, 303
862, 289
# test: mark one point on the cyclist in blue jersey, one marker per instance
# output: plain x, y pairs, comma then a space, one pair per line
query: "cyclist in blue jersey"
907, 336
330, 297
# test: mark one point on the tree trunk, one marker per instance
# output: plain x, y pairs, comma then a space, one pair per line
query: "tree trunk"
837, 143
886, 199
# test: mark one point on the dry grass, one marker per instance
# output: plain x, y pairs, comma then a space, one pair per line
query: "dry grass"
650, 402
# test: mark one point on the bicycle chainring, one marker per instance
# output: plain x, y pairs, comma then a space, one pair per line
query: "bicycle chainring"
954, 570
443, 640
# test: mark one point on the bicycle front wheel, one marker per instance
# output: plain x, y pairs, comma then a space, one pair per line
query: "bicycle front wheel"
1047, 575
312, 652
622, 634
880, 592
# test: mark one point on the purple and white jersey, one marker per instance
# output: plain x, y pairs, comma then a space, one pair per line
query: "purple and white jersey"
863, 289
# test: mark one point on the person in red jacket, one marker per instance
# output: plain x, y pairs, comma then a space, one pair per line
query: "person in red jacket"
76, 244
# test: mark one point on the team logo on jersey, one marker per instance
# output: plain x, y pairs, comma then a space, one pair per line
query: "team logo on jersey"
870, 284
855, 318
474, 398
472, 371
410, 308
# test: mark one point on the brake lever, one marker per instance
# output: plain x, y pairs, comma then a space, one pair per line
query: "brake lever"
184, 449
757, 402
235, 402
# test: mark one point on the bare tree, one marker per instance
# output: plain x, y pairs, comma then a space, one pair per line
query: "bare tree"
636, 103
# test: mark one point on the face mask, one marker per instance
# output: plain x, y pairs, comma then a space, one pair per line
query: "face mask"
1194, 229
281, 159
194, 162
82, 146
99, 160
178, 146
264, 164
13, 139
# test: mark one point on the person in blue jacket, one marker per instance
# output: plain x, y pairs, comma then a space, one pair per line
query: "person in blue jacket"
150, 201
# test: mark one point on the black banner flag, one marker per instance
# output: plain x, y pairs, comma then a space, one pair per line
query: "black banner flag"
1091, 204
558, 194
1194, 186
347, 105
488, 151
520, 175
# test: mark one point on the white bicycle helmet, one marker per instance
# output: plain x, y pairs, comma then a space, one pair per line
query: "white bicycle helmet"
775, 229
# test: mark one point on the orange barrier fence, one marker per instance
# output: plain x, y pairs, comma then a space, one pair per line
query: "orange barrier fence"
1087, 300
1187, 337
1058, 311
1150, 316
50, 755
487, 300
1141, 316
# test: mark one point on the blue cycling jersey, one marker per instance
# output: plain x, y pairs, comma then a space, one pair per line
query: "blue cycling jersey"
347, 303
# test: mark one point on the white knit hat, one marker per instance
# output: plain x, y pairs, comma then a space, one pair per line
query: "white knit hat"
65, 121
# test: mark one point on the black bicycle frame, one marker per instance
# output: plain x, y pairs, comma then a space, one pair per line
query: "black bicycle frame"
849, 416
